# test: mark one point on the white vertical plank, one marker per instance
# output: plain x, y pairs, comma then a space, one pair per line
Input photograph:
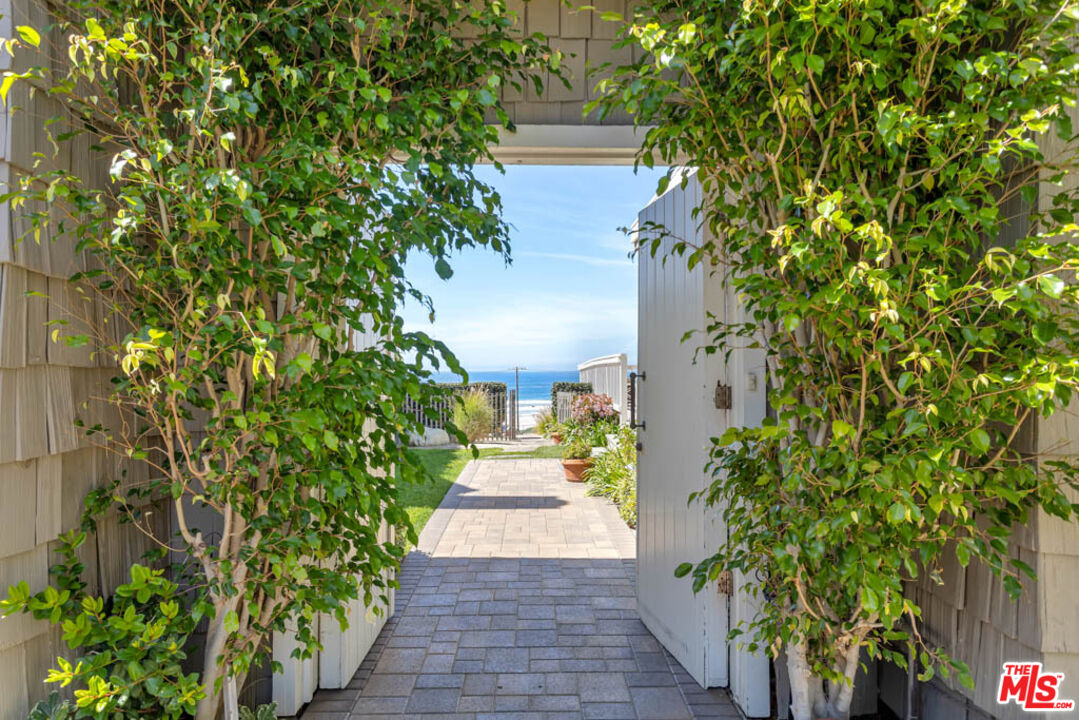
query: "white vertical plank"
344, 650
674, 404
294, 686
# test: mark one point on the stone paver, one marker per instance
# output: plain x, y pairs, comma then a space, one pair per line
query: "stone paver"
518, 603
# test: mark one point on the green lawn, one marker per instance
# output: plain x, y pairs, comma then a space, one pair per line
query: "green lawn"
543, 451
443, 467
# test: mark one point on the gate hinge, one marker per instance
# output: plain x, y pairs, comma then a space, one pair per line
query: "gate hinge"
725, 583
723, 396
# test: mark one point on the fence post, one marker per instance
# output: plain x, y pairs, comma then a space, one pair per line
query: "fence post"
511, 421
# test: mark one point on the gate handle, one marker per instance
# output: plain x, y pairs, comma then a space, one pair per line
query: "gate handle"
633, 378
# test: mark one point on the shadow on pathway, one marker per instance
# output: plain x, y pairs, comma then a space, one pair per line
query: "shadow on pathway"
519, 603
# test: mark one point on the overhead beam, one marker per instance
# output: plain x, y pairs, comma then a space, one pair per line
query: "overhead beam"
569, 145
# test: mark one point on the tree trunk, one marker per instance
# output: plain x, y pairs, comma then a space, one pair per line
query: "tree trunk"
232, 701
841, 692
801, 679
212, 671
811, 698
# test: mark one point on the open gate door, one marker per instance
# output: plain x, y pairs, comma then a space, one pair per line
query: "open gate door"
683, 401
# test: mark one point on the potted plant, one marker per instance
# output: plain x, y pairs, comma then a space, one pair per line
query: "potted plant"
560, 431
576, 458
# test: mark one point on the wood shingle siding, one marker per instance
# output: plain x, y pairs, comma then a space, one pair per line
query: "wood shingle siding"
47, 464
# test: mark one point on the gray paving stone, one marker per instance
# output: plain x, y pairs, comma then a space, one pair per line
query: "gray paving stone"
603, 687
374, 705
487, 638
520, 684
400, 660
441, 680
435, 700
659, 703
330, 706
437, 664
389, 685
650, 679
479, 684
476, 703
508, 703
506, 660
536, 638
471, 653
527, 638
555, 703
608, 711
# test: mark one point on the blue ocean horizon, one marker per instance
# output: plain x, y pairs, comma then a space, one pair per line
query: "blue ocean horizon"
535, 386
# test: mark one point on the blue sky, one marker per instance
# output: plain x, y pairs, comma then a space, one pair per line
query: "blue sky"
571, 291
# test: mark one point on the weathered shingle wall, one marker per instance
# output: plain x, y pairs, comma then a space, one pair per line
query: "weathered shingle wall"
588, 43
971, 615
47, 465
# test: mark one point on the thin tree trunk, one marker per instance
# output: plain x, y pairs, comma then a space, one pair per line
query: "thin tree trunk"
802, 695
232, 700
212, 671
842, 692
811, 699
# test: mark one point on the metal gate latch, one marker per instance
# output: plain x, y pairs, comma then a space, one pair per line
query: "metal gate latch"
723, 396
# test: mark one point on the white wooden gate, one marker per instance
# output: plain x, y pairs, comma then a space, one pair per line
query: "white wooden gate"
676, 404
342, 650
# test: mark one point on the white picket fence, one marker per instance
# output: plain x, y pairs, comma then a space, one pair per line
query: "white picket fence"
608, 376
503, 405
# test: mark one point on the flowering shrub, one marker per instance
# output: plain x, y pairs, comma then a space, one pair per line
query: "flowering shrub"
592, 408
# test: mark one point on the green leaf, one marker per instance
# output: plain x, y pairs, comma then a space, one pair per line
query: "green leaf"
841, 428
29, 35
980, 440
329, 437
232, 621
5, 85
443, 269
683, 570
962, 554
897, 513
94, 29
1051, 285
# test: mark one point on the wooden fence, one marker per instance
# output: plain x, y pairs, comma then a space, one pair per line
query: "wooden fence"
503, 407
607, 375
564, 406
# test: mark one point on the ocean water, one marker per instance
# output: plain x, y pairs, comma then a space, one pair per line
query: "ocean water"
535, 386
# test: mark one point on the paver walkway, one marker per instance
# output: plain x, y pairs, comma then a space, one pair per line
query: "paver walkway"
519, 603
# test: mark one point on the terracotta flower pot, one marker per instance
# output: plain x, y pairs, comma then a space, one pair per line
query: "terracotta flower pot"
575, 469
557, 437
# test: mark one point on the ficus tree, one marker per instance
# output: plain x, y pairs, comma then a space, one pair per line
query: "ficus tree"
888, 183
271, 166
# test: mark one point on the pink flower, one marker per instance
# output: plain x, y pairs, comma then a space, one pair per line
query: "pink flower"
591, 408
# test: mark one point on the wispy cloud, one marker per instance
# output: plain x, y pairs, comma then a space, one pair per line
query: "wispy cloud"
545, 330
586, 259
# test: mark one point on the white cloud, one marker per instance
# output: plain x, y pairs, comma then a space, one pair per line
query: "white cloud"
585, 259
545, 331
